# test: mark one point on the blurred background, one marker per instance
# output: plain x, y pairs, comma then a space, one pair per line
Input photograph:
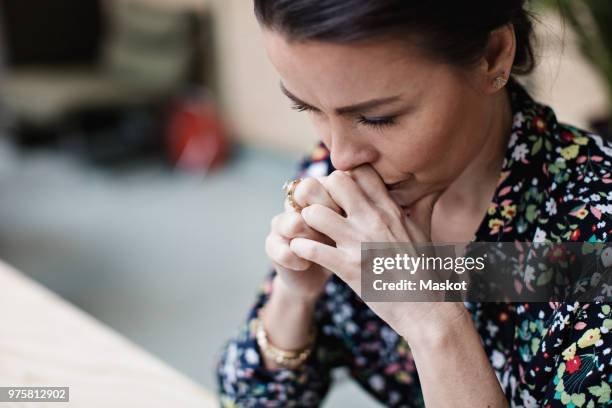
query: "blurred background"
144, 144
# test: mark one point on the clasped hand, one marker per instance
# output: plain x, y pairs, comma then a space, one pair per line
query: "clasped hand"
348, 208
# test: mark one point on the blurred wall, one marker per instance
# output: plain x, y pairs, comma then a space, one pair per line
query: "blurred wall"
564, 79
258, 112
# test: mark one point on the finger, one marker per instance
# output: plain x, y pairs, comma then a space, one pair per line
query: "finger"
311, 191
291, 225
318, 253
421, 212
370, 182
346, 193
374, 187
288, 207
326, 221
277, 249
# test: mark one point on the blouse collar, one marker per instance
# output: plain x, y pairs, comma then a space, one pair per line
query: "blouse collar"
532, 125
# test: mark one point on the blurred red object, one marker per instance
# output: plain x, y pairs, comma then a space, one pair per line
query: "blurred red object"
195, 134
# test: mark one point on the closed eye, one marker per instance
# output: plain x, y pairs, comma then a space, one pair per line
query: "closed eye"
374, 122
377, 122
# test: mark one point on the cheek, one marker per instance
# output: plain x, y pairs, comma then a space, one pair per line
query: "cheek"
430, 147
417, 145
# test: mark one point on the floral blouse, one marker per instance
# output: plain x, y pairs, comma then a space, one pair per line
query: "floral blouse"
554, 187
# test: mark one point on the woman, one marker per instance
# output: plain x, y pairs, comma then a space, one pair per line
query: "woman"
425, 137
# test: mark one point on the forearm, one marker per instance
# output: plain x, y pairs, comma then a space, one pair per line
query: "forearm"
452, 365
245, 380
286, 319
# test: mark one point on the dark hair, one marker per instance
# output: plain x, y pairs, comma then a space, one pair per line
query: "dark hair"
454, 32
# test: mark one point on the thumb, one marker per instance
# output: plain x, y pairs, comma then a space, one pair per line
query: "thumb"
421, 212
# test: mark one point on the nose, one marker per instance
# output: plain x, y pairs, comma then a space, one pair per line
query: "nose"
346, 155
347, 149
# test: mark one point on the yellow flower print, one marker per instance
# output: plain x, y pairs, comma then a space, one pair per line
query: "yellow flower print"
589, 338
578, 399
569, 352
570, 152
509, 211
403, 377
227, 402
581, 140
492, 208
402, 347
581, 213
495, 224
560, 371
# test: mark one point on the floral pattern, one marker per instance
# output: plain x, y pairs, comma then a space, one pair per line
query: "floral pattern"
554, 187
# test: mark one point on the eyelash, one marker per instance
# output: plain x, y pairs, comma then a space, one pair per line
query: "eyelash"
377, 123
300, 108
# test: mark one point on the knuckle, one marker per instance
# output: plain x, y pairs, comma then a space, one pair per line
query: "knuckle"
377, 221
310, 251
269, 245
306, 189
314, 210
294, 225
285, 256
333, 179
274, 223
279, 252
337, 176
286, 223
354, 264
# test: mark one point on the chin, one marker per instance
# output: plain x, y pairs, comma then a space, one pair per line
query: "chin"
394, 185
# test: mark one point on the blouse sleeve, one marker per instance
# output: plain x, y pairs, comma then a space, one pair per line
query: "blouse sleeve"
243, 379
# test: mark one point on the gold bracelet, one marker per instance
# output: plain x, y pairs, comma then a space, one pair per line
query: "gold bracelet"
285, 358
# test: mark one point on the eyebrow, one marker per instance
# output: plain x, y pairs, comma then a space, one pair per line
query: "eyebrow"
344, 110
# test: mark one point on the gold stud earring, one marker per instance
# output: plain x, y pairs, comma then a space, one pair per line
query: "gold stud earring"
499, 81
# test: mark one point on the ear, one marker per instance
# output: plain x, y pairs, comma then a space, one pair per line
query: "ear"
498, 58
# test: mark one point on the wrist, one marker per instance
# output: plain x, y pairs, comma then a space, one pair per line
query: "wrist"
446, 322
286, 320
286, 295
291, 359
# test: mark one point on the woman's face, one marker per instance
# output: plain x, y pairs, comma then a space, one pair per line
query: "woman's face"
417, 122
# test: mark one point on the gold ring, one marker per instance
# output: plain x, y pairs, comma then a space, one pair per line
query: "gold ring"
289, 189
